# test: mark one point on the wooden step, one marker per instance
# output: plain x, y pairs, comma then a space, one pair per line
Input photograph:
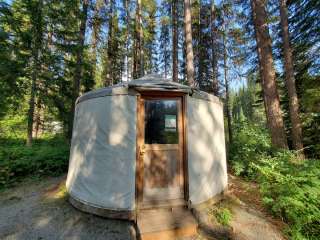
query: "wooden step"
166, 224
162, 204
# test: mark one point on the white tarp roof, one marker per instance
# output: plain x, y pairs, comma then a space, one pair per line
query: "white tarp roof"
151, 82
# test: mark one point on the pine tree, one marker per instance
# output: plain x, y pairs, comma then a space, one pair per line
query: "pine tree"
165, 55
188, 43
296, 129
214, 50
113, 60
78, 71
174, 41
274, 114
225, 70
35, 10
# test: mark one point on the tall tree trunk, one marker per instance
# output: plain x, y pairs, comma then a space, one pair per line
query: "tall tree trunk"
198, 54
78, 68
296, 130
32, 101
126, 5
138, 51
214, 62
226, 82
274, 116
165, 63
36, 66
109, 75
37, 118
135, 57
188, 41
261, 75
141, 40
95, 37
174, 41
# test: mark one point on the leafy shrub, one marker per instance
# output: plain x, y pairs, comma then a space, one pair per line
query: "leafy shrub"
291, 190
250, 141
290, 187
47, 156
13, 127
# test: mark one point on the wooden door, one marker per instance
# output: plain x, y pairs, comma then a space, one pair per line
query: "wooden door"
161, 149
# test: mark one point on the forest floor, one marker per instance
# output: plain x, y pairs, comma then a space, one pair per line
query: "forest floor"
249, 219
40, 210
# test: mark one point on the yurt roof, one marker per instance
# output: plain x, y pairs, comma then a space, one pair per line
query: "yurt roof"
147, 83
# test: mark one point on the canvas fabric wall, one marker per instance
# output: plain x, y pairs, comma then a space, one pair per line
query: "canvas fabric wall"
207, 168
103, 152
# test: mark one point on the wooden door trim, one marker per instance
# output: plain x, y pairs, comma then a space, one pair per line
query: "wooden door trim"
140, 136
139, 160
185, 148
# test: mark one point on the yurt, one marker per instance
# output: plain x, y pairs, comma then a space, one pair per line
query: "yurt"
150, 142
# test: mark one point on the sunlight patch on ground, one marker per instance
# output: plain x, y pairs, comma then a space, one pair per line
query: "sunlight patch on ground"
56, 192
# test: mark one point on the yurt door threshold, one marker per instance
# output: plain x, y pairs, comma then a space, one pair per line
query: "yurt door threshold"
160, 151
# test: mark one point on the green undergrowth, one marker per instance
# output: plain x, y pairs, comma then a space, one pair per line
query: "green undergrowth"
48, 155
290, 186
221, 213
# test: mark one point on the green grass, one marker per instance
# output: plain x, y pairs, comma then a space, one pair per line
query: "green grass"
224, 216
221, 213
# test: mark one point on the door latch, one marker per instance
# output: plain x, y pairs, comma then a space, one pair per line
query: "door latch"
142, 149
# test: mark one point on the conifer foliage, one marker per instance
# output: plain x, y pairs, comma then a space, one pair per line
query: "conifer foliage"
54, 51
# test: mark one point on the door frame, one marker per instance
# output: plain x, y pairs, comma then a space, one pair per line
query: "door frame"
140, 139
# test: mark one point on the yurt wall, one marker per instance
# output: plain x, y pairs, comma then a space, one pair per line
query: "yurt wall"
103, 152
206, 149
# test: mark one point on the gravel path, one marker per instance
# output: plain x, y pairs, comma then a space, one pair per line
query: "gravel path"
41, 211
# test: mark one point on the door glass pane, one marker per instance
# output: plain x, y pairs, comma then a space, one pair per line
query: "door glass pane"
161, 122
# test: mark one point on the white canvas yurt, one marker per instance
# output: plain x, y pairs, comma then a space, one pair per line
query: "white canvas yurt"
148, 142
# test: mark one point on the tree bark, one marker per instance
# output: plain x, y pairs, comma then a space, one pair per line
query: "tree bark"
141, 49
127, 38
36, 67
188, 42
135, 56
37, 118
138, 51
214, 62
79, 59
226, 82
109, 75
32, 102
95, 37
296, 130
271, 97
174, 41
261, 76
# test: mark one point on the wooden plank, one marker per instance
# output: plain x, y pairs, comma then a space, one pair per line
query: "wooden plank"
171, 234
139, 159
169, 203
160, 219
166, 223
185, 148
161, 146
181, 145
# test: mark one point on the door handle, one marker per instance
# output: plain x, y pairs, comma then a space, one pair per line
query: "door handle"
142, 150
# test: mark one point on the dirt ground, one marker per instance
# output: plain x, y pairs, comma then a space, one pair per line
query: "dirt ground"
40, 210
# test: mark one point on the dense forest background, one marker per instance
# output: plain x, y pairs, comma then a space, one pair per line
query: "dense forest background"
262, 58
